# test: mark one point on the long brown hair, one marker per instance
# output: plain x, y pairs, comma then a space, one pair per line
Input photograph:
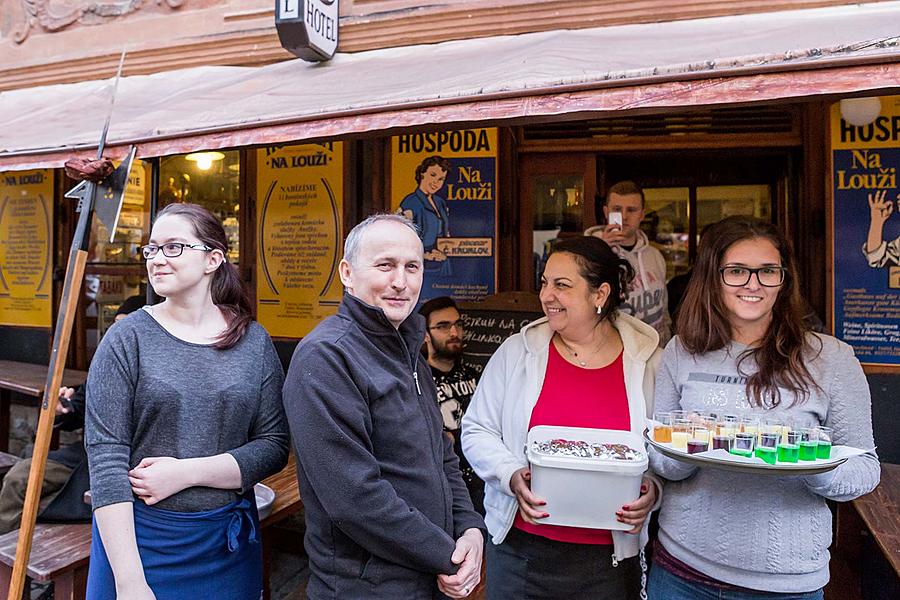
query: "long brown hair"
703, 324
227, 289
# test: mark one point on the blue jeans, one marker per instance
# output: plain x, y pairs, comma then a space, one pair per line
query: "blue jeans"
664, 585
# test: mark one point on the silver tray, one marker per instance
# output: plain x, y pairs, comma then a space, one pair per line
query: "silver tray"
730, 462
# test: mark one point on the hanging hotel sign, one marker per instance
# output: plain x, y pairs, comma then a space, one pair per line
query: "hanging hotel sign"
866, 233
308, 28
26, 233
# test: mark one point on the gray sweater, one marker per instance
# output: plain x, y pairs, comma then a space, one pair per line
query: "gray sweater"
152, 394
762, 532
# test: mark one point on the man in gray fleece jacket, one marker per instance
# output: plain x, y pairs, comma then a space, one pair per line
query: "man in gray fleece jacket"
387, 512
762, 532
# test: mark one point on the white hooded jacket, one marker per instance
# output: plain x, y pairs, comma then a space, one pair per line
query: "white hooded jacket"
495, 426
647, 299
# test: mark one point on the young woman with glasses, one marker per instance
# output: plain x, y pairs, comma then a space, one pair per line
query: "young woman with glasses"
184, 417
743, 347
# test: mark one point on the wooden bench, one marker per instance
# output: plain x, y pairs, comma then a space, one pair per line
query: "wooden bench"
29, 380
880, 511
60, 553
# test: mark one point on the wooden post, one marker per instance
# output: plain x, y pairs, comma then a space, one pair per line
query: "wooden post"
108, 204
74, 276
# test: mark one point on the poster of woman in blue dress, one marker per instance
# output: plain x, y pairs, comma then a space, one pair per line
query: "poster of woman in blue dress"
429, 211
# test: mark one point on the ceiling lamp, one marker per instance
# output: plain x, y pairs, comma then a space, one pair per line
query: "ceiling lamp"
860, 111
204, 160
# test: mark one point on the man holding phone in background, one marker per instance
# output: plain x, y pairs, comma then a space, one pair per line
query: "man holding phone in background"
647, 299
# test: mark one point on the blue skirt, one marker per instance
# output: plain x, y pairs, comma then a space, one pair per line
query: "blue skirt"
211, 554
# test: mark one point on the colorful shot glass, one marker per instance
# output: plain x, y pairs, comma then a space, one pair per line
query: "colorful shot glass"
727, 425
767, 448
662, 431
743, 444
699, 441
808, 443
681, 433
789, 451
722, 442
823, 446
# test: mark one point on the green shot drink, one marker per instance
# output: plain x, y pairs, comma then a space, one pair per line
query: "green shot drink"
767, 448
808, 450
823, 448
788, 453
767, 453
743, 444
789, 447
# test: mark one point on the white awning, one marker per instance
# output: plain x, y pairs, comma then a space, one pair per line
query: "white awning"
726, 60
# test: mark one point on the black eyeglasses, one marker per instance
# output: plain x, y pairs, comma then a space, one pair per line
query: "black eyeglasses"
444, 326
740, 276
170, 250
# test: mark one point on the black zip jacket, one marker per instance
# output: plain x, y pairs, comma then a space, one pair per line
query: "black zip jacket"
384, 498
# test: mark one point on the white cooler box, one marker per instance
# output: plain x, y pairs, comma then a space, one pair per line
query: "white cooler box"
585, 492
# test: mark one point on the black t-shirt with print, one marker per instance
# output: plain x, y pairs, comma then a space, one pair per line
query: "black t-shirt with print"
454, 392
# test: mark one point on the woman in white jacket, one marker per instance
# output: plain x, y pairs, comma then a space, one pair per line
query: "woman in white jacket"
583, 365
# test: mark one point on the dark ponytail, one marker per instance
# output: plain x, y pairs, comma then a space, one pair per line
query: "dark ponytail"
227, 289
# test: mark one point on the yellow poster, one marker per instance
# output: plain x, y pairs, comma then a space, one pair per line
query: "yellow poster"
26, 253
299, 208
879, 128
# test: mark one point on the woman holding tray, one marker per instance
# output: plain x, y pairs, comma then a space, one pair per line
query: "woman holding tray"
583, 365
743, 345
184, 416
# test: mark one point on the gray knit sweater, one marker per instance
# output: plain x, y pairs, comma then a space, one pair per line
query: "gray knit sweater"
762, 532
152, 394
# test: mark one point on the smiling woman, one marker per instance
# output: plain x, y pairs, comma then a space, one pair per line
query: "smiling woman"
743, 347
584, 365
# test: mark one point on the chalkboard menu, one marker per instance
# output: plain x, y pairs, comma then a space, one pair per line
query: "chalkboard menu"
489, 323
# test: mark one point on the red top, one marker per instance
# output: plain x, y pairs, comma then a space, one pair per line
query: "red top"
576, 397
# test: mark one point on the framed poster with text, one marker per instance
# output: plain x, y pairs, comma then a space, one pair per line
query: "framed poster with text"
26, 248
299, 209
866, 234
446, 183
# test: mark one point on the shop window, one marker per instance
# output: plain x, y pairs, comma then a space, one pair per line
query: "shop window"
558, 203
714, 203
668, 212
553, 189
115, 270
211, 179
667, 225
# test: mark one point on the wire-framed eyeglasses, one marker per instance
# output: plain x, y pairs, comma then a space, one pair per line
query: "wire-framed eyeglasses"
769, 276
445, 326
170, 250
